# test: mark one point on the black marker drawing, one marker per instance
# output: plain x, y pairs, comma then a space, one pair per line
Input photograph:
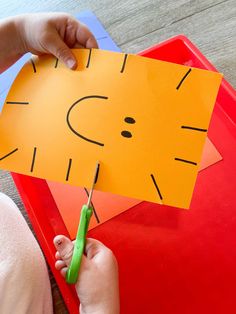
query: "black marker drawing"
97, 173
180, 83
156, 186
33, 159
124, 63
33, 65
94, 211
193, 128
89, 57
68, 169
5, 156
126, 134
17, 102
56, 63
186, 161
71, 127
129, 120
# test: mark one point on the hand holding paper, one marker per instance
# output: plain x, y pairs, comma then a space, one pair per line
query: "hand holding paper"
40, 33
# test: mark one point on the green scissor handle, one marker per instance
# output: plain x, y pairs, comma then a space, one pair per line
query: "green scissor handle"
80, 242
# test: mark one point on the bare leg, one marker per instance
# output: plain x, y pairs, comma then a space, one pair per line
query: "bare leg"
24, 281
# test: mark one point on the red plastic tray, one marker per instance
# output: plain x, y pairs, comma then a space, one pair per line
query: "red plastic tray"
170, 260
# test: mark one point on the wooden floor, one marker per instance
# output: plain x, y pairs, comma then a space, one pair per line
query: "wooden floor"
136, 25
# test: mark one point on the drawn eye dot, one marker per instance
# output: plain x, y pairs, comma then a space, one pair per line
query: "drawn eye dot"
126, 134
129, 120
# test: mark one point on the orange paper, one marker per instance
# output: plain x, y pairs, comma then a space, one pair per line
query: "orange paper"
210, 155
144, 120
70, 199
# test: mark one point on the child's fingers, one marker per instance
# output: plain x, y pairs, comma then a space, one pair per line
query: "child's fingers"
93, 247
78, 34
65, 248
60, 264
57, 255
78, 46
56, 46
64, 271
84, 37
70, 33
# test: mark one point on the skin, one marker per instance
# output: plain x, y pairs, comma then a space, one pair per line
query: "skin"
97, 285
56, 33
52, 33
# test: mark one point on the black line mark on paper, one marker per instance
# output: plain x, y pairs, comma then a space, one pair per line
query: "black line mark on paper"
124, 63
89, 57
156, 186
33, 65
17, 102
97, 173
12, 152
33, 159
186, 161
193, 128
71, 127
56, 63
68, 169
180, 83
94, 210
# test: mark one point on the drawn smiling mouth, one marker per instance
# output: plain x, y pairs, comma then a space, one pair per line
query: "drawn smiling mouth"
124, 133
70, 125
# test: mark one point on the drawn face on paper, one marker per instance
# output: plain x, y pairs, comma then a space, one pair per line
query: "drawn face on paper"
144, 120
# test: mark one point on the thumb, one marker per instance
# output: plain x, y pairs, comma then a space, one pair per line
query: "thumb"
93, 248
56, 46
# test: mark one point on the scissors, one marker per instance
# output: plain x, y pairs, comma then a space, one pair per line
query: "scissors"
80, 242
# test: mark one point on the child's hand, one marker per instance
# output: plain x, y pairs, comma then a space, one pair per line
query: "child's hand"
54, 33
40, 33
97, 285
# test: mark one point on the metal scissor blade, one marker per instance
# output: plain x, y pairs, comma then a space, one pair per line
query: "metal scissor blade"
94, 182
